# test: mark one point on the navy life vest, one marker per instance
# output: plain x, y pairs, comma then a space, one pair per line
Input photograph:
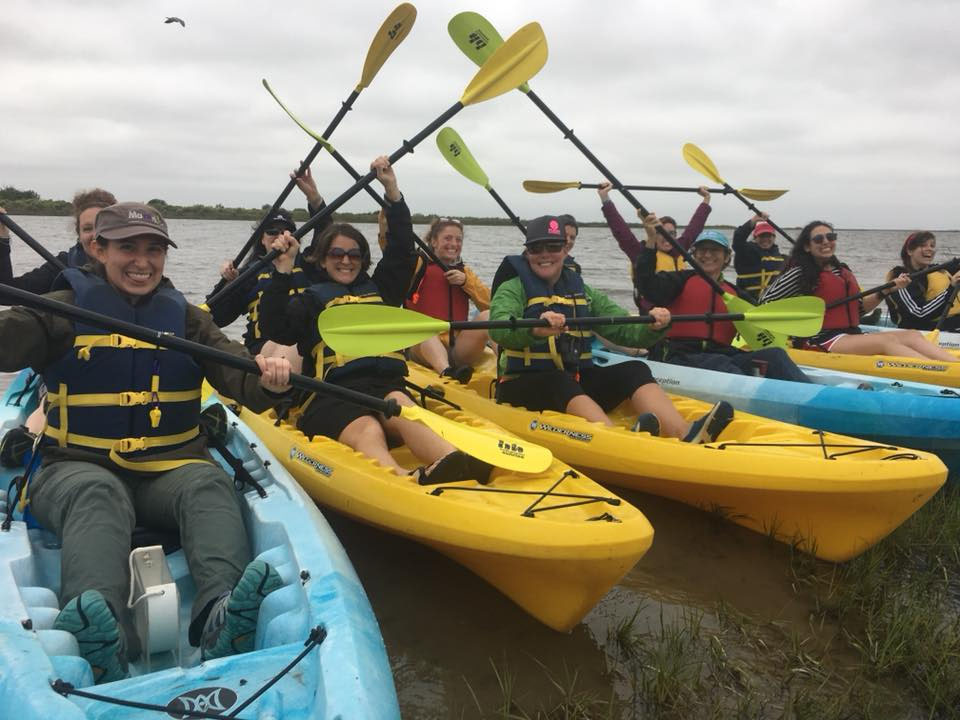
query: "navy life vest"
124, 399
299, 281
328, 364
757, 277
570, 351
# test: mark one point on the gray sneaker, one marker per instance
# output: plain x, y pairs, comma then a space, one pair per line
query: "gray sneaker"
231, 626
90, 620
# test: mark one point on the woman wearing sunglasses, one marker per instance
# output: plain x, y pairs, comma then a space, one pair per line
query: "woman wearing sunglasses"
551, 368
246, 300
813, 269
920, 305
446, 295
341, 259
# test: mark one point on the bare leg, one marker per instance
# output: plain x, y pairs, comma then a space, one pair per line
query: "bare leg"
902, 343
365, 435
584, 406
422, 441
469, 345
431, 353
650, 398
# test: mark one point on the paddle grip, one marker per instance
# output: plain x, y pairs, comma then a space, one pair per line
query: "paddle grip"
389, 408
25, 236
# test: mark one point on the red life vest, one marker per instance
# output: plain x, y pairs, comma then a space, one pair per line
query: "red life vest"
831, 288
697, 298
435, 297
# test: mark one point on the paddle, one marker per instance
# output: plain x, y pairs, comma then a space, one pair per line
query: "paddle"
393, 31
494, 448
357, 330
517, 60
25, 236
345, 164
698, 160
456, 152
551, 186
891, 283
479, 41
954, 289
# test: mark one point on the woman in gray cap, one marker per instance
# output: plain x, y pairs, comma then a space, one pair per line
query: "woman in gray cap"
551, 368
122, 445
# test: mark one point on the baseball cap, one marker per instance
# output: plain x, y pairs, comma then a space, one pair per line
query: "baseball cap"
128, 219
545, 227
763, 228
714, 236
280, 219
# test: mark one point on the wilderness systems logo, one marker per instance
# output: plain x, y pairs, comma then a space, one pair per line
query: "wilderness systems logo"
215, 700
315, 464
510, 448
572, 434
910, 366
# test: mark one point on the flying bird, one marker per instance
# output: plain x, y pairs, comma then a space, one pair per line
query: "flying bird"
174, 20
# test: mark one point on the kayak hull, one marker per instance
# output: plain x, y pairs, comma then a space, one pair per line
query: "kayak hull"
554, 555
348, 674
830, 495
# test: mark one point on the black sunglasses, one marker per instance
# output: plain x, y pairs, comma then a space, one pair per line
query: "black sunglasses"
337, 253
824, 238
541, 246
273, 232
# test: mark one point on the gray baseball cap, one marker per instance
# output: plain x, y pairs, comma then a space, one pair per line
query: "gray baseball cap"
128, 219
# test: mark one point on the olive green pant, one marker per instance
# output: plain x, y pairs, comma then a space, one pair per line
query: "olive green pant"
93, 512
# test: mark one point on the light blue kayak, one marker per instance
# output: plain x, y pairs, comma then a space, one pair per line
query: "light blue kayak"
346, 675
913, 415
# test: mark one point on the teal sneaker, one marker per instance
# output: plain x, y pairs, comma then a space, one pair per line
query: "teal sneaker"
90, 620
231, 626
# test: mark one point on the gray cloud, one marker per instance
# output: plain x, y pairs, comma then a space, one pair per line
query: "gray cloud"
849, 105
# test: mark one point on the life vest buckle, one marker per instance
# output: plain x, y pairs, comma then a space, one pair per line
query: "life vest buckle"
127, 445
134, 397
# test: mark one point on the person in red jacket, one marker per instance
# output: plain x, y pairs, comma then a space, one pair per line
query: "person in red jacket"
813, 269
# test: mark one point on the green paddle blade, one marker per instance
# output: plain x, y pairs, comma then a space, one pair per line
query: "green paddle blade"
394, 29
456, 152
762, 195
771, 324
698, 160
358, 330
476, 38
494, 447
316, 136
513, 63
548, 186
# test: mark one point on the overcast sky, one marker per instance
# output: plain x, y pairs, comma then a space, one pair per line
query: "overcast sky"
853, 106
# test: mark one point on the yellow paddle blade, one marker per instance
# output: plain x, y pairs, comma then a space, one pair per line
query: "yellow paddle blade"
698, 160
516, 61
394, 29
357, 330
456, 152
494, 447
548, 186
762, 195
316, 136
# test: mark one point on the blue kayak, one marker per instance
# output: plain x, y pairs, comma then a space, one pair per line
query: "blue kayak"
913, 415
320, 615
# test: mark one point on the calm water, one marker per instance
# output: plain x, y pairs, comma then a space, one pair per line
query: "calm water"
444, 628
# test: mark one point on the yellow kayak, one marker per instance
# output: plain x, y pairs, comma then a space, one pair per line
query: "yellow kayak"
554, 542
933, 372
832, 495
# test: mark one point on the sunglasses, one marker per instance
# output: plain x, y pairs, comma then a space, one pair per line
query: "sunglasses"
273, 232
338, 253
542, 246
824, 238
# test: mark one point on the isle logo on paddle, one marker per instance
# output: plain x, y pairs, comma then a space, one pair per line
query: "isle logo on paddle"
478, 39
454, 149
510, 448
215, 700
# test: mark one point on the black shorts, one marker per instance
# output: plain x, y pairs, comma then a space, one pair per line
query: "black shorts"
554, 389
328, 415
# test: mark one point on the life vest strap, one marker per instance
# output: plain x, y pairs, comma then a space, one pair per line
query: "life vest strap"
126, 398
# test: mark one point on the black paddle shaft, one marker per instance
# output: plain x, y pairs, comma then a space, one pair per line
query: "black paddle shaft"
389, 408
569, 135
25, 236
330, 208
756, 210
951, 296
514, 323
888, 285
516, 221
345, 107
